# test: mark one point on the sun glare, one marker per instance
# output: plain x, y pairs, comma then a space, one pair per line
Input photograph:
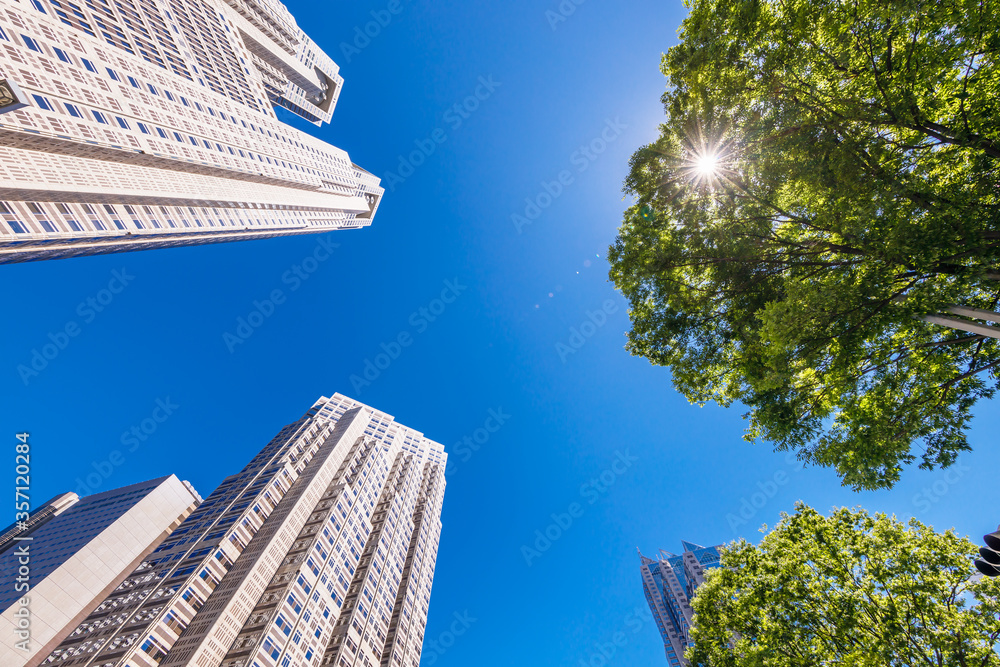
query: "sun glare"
706, 159
707, 164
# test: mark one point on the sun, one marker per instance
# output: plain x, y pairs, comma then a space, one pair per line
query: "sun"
707, 164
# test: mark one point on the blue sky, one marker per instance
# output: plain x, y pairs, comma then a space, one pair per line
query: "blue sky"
569, 102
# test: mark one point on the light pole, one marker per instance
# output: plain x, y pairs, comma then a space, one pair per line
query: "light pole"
989, 564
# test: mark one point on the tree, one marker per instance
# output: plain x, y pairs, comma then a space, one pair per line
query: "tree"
852, 590
825, 179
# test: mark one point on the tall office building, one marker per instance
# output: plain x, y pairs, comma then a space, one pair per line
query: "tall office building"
669, 583
140, 124
320, 551
74, 551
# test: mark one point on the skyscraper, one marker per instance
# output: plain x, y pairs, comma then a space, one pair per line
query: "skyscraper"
320, 551
140, 124
669, 583
74, 552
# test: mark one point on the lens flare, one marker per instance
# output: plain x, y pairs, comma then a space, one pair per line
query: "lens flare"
707, 164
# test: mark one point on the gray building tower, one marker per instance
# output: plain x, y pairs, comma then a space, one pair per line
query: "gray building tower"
141, 124
669, 584
320, 551
72, 552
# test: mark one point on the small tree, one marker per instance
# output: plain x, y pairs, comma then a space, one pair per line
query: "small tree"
826, 179
849, 590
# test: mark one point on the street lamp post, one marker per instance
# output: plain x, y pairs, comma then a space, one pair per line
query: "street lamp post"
989, 564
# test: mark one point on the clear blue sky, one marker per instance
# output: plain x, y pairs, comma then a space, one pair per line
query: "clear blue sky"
494, 348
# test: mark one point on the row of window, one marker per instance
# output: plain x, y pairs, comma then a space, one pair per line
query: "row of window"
151, 217
250, 126
107, 119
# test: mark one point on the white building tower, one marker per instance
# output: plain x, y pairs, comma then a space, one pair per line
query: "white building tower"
139, 124
320, 551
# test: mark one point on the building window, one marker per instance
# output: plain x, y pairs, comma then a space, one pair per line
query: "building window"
42, 102
270, 648
8, 215
192, 599
209, 578
154, 649
89, 65
31, 44
173, 622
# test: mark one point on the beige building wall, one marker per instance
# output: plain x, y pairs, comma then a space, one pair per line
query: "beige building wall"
65, 596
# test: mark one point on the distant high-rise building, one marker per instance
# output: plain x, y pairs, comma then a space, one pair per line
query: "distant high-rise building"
320, 551
141, 124
669, 583
71, 553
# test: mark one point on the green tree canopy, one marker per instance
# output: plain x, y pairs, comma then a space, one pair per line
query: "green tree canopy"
850, 590
827, 175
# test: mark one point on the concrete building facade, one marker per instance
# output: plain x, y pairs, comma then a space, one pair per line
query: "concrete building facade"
321, 551
669, 583
75, 551
140, 124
